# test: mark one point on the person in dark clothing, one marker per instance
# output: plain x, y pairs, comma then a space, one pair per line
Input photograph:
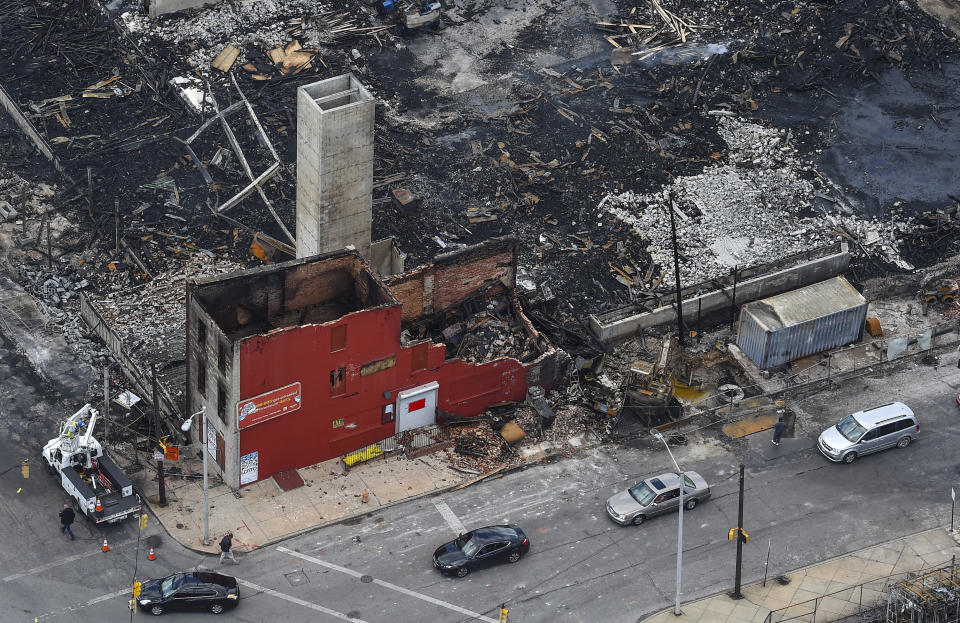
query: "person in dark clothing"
226, 548
66, 518
778, 429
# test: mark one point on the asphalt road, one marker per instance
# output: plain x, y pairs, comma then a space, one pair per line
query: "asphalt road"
581, 567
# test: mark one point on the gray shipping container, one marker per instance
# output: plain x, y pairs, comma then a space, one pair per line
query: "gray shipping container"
801, 323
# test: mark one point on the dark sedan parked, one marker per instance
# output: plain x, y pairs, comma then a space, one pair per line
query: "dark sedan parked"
481, 548
191, 590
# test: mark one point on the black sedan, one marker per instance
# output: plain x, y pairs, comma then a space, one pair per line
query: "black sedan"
481, 548
190, 590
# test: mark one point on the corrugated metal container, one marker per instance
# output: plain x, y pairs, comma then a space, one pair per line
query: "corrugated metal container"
800, 323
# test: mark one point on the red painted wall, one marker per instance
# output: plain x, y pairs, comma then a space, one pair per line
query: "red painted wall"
307, 436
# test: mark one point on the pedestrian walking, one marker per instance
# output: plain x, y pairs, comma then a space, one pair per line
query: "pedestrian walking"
66, 518
226, 548
778, 429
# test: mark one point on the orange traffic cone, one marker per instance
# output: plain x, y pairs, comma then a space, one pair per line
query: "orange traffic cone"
99, 508
105, 547
151, 555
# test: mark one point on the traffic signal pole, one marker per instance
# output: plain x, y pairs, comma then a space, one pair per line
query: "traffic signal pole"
740, 538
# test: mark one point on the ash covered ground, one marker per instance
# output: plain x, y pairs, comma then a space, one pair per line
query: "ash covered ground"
773, 127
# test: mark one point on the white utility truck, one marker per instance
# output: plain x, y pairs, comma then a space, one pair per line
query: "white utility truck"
100, 490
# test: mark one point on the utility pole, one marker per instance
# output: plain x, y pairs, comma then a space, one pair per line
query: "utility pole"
733, 301
740, 538
90, 192
156, 420
676, 272
106, 403
49, 245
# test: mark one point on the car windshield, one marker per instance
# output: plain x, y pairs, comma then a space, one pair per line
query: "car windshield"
688, 483
850, 428
642, 493
468, 545
170, 585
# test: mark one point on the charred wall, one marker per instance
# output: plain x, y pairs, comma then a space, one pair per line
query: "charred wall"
310, 291
455, 277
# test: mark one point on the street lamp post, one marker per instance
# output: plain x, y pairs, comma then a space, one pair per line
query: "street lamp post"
185, 427
659, 437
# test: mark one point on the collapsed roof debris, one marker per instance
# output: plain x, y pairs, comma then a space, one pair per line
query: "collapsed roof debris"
150, 319
269, 24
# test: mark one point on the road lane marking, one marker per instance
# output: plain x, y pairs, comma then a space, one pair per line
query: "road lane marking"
452, 520
299, 602
84, 604
393, 587
61, 561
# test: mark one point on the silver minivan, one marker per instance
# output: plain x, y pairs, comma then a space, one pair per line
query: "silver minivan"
866, 432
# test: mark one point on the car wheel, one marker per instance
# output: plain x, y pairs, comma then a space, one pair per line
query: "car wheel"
903, 443
690, 504
638, 520
850, 457
156, 610
514, 556
463, 572
216, 608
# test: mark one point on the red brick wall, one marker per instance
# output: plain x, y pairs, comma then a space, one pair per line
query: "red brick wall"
307, 436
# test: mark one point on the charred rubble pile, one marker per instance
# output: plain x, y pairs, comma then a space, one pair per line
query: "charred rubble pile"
478, 330
539, 166
581, 159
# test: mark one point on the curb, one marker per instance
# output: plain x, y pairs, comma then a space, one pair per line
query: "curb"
551, 456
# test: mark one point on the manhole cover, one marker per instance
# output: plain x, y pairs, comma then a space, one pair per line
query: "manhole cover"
366, 579
297, 578
730, 393
153, 540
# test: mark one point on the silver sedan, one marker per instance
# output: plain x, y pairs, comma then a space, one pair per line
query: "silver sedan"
655, 496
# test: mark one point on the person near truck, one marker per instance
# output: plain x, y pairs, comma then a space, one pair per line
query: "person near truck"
226, 548
66, 518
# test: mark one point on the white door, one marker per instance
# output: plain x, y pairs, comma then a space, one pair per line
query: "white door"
417, 407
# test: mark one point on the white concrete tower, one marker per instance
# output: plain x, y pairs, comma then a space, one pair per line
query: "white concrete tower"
334, 166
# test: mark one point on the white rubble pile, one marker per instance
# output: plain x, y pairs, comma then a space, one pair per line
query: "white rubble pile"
262, 23
151, 319
753, 209
55, 293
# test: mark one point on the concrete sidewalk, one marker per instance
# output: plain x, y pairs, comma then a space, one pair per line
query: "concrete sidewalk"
263, 513
828, 591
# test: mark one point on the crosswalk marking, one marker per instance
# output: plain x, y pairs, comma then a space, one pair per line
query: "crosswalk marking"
451, 518
393, 587
299, 602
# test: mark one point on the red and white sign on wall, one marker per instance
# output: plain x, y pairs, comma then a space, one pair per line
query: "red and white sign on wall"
267, 406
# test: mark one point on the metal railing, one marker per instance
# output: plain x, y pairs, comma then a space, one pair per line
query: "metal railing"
409, 441
871, 603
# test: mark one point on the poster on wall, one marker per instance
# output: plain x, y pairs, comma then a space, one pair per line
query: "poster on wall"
249, 464
267, 406
212, 442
